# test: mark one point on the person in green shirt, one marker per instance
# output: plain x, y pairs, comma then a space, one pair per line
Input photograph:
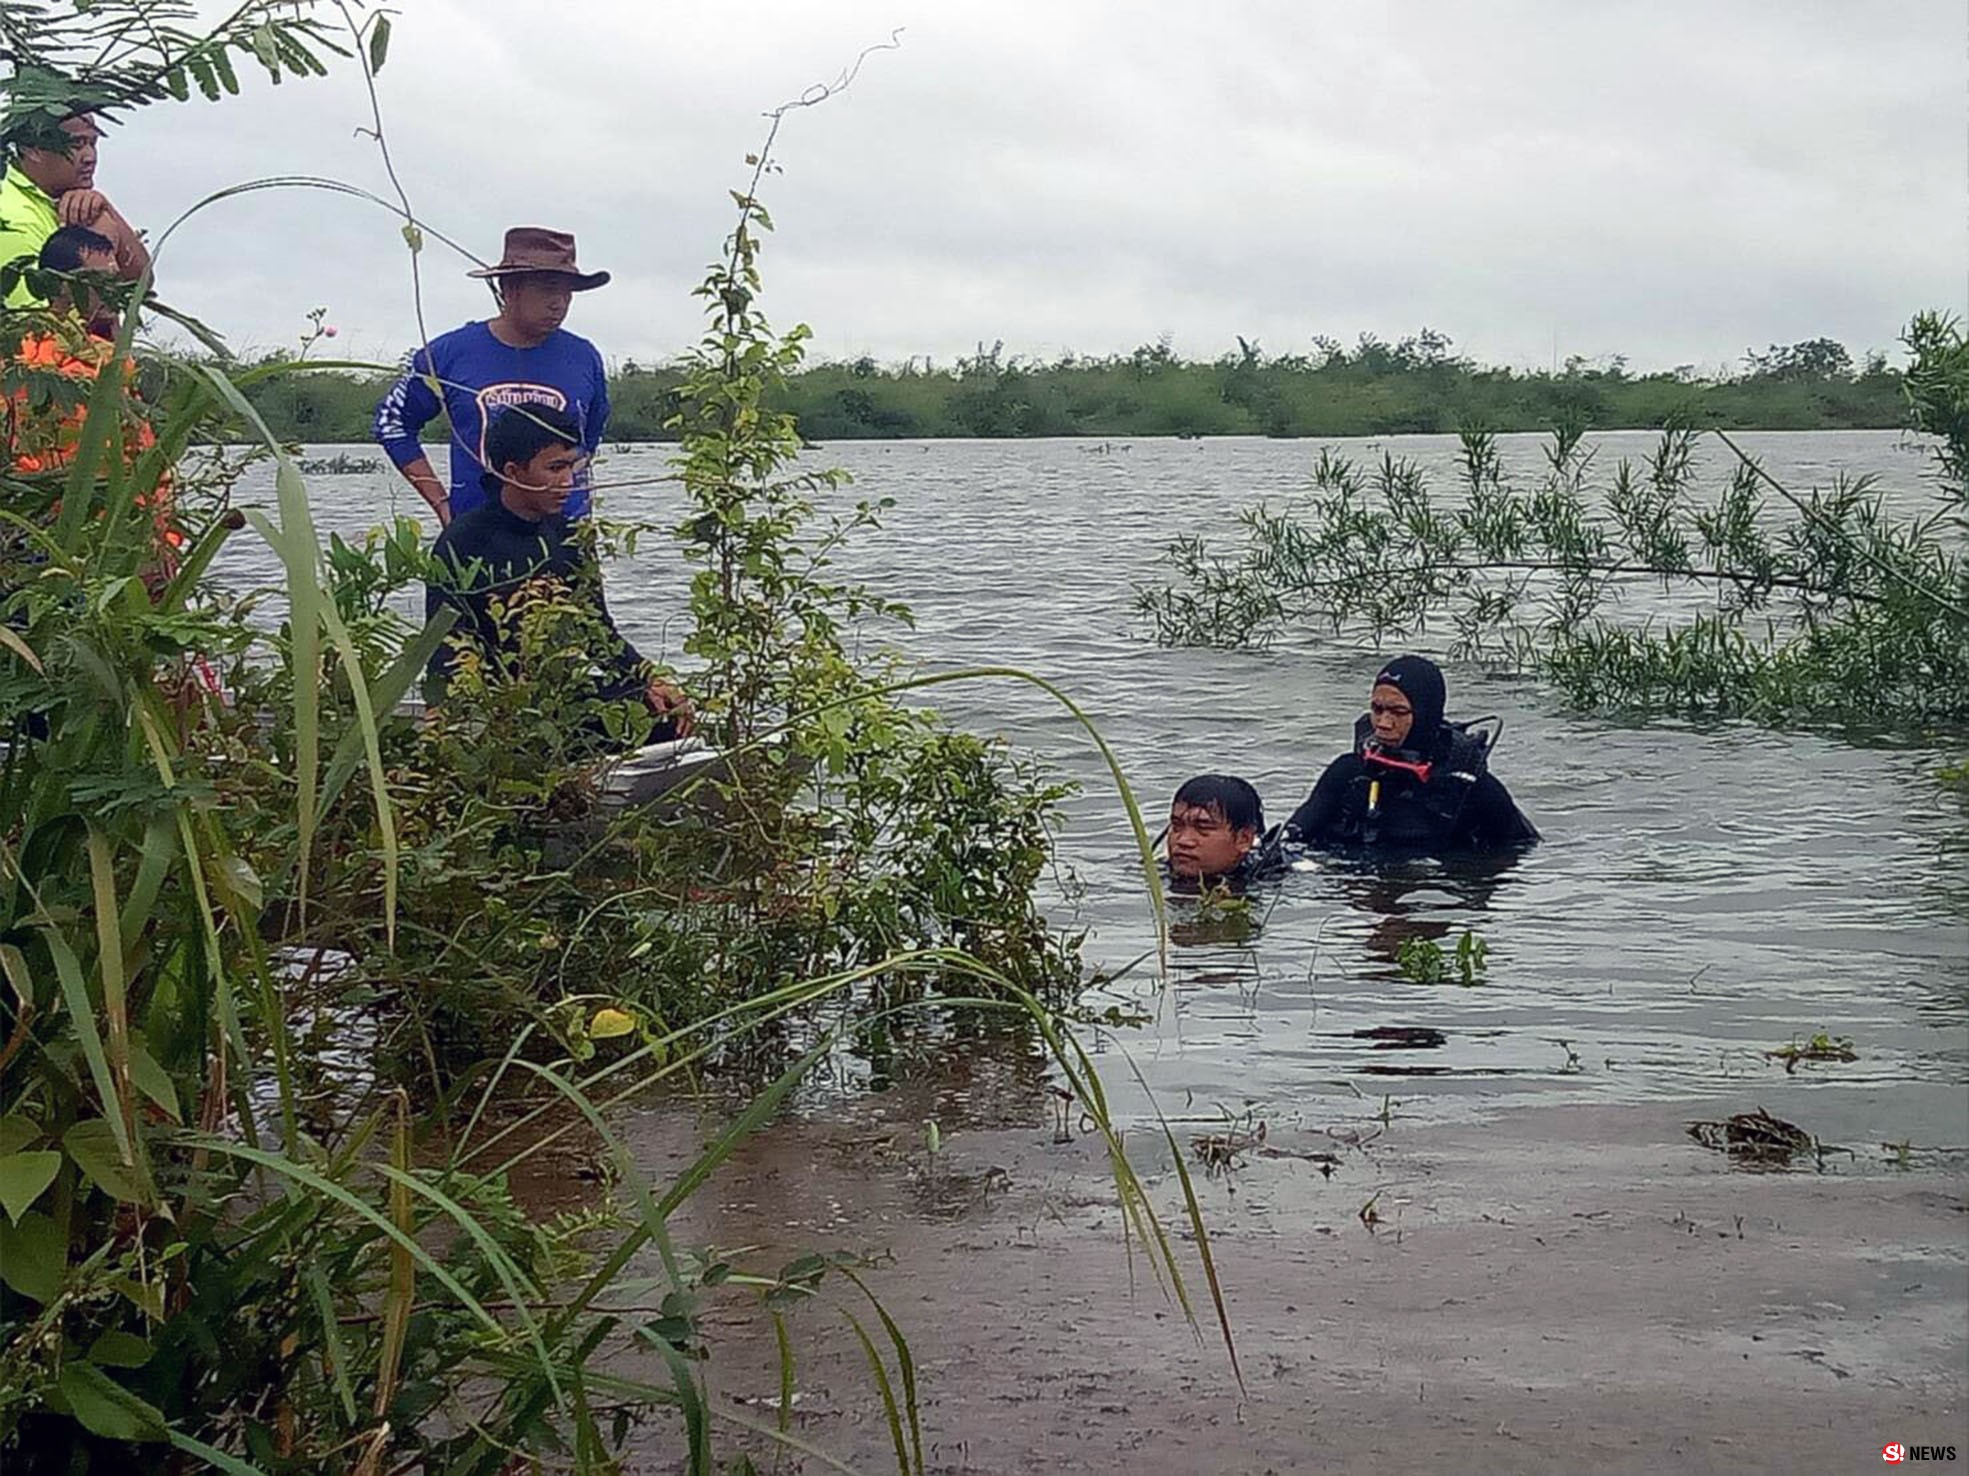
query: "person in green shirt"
46, 189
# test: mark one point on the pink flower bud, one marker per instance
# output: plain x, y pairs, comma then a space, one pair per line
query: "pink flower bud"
329, 331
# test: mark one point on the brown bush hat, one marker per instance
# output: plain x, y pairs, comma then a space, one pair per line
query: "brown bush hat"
537, 249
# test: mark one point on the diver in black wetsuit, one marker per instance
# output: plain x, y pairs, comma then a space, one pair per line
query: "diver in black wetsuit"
520, 536
1414, 783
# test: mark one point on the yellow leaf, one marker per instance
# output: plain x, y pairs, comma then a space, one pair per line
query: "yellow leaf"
610, 1022
19, 647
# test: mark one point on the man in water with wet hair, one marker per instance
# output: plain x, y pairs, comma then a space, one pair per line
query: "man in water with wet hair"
1214, 821
45, 189
1414, 784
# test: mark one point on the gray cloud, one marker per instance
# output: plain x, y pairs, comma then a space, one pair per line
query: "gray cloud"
1673, 181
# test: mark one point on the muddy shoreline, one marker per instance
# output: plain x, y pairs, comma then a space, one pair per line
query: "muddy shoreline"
1551, 1289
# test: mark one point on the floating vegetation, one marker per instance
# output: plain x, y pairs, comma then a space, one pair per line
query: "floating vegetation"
1424, 961
1219, 1153
1755, 1137
1221, 916
1785, 606
1821, 1047
341, 464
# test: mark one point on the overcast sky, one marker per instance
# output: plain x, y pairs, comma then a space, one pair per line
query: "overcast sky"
1676, 180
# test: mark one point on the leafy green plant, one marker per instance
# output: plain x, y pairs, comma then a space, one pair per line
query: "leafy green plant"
1839, 612
1219, 915
1422, 961
1425, 961
113, 56
1937, 388
196, 1254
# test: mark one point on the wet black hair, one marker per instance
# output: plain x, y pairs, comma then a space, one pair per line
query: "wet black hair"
1229, 796
522, 432
63, 251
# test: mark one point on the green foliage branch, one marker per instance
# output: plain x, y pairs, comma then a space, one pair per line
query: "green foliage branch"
110, 57
1821, 607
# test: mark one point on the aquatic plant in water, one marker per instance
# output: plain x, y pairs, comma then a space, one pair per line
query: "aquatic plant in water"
1425, 961
1776, 605
1821, 1047
341, 464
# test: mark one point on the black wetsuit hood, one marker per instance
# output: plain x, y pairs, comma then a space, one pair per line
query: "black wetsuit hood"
1421, 681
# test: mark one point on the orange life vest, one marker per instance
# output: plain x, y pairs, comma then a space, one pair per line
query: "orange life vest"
47, 440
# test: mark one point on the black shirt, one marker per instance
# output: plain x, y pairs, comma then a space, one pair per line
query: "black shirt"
491, 551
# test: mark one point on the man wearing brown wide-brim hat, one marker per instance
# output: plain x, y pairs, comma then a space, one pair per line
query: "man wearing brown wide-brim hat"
521, 356
534, 249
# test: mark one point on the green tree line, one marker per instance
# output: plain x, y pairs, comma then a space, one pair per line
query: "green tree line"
1417, 385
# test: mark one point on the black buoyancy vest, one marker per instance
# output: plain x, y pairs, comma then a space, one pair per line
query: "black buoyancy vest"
1398, 808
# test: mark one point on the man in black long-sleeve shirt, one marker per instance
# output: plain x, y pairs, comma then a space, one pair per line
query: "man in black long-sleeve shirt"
520, 537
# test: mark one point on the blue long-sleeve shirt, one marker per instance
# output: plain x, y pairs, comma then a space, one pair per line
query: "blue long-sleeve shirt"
478, 376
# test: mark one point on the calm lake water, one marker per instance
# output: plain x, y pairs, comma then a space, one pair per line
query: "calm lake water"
1701, 896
